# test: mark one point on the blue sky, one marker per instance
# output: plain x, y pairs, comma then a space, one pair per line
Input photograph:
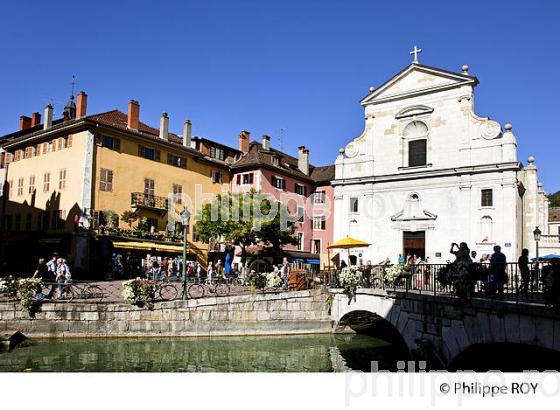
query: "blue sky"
301, 66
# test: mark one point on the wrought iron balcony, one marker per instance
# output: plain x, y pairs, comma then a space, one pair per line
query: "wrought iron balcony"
142, 200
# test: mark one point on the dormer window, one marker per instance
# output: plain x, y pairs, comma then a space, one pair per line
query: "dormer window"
217, 153
275, 161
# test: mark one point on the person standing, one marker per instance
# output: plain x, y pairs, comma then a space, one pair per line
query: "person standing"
285, 273
498, 267
42, 271
401, 259
210, 273
523, 265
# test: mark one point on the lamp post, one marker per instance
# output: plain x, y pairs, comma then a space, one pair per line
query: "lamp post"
185, 217
537, 237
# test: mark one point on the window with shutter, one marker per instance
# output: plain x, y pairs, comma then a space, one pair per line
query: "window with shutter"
417, 153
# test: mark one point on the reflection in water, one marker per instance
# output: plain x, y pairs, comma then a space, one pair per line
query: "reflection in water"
309, 353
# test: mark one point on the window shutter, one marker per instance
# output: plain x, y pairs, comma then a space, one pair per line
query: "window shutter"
168, 158
60, 143
117, 144
283, 184
238, 179
141, 150
158, 155
69, 141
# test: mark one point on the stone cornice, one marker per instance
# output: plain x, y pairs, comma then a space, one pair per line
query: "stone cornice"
432, 173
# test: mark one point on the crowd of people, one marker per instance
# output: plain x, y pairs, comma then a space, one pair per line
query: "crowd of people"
158, 268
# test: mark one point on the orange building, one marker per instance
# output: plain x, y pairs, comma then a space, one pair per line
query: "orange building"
86, 186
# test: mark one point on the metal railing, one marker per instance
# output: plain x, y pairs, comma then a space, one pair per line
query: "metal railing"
140, 199
484, 281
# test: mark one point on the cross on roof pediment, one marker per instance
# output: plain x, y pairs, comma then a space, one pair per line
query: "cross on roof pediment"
417, 79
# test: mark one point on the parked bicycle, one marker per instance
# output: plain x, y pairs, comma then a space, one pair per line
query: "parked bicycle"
69, 291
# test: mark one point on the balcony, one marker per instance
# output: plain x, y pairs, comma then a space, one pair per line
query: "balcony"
139, 200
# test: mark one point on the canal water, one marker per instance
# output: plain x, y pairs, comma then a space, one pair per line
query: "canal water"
306, 353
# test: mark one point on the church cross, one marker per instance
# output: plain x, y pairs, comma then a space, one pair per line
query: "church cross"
415, 52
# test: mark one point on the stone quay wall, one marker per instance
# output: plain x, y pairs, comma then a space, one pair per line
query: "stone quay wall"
298, 312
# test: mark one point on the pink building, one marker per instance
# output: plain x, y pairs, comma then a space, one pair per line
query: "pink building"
304, 188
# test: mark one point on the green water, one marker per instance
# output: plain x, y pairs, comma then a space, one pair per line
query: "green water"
309, 353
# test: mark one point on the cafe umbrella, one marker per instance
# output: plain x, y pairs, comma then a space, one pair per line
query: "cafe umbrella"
348, 243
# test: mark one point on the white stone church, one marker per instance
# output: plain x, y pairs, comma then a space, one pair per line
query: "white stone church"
427, 171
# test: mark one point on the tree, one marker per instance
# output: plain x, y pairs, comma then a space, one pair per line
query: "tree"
554, 199
245, 220
129, 217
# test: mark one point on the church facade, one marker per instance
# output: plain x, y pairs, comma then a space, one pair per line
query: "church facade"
427, 171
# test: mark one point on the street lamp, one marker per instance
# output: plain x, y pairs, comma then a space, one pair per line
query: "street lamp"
537, 237
185, 217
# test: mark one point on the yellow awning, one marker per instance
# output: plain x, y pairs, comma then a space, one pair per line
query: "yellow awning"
148, 246
348, 243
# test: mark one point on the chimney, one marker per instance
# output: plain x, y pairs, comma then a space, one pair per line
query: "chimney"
244, 140
303, 160
164, 126
35, 119
24, 122
48, 116
266, 142
133, 114
81, 105
187, 133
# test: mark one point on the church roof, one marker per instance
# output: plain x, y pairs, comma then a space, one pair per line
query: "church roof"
453, 79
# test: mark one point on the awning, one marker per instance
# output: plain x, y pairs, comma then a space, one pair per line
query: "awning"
148, 246
314, 261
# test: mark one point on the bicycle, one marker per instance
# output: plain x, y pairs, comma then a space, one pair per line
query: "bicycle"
68, 291
165, 290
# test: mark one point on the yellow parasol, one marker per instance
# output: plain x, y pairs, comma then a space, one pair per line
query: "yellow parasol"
348, 243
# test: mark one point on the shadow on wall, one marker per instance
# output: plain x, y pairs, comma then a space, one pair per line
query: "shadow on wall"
29, 233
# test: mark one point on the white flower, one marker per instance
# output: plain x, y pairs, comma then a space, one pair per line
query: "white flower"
273, 280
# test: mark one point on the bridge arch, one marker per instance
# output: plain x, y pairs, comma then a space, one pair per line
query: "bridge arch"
372, 324
444, 330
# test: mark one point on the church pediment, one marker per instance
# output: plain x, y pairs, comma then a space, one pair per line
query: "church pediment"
417, 79
423, 216
413, 211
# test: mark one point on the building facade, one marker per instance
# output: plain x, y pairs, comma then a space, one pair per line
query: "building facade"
427, 171
303, 188
70, 182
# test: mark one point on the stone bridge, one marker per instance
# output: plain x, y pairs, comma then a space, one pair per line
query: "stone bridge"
442, 329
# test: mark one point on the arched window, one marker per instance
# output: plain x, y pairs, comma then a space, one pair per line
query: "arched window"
486, 229
417, 132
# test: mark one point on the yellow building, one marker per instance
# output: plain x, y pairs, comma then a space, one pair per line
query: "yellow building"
68, 183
